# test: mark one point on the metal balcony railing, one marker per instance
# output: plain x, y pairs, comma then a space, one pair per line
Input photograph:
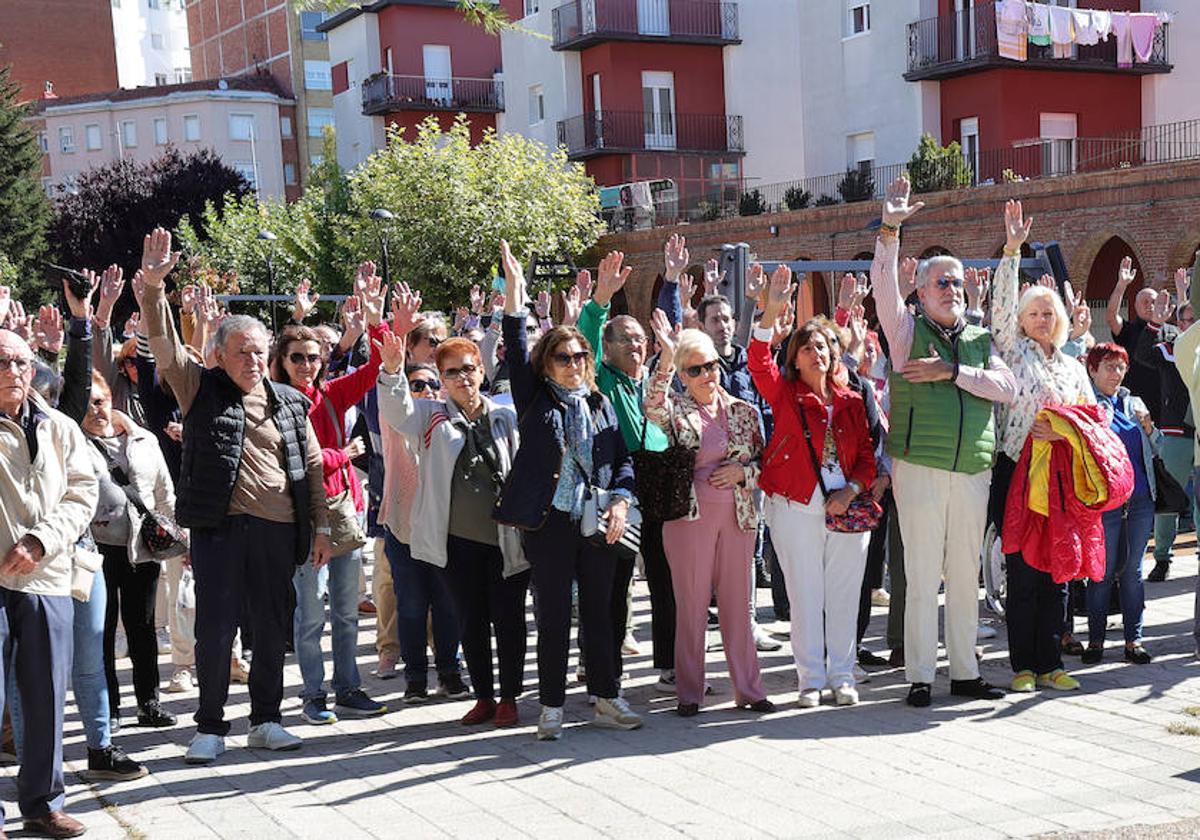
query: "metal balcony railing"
634, 131
580, 23
384, 93
960, 42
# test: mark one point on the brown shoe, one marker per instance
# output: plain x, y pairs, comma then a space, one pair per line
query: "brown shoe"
896, 660
54, 824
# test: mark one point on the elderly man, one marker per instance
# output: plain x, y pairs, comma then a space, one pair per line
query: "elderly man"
48, 494
945, 377
250, 489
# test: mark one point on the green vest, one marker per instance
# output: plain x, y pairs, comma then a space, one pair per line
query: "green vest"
938, 424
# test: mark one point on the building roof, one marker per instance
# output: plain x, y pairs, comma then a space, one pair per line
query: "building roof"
354, 11
245, 84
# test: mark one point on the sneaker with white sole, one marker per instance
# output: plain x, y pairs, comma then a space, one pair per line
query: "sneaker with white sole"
666, 681
615, 713
809, 699
163, 636
764, 642
386, 670
630, 646
845, 695
550, 722
861, 674
356, 703
317, 713
272, 736
985, 631
204, 748
239, 671
182, 681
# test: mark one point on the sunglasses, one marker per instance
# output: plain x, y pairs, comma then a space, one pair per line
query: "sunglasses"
421, 385
459, 372
433, 341
948, 280
696, 370
301, 358
568, 359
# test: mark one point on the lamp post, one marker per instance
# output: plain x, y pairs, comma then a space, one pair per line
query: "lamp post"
381, 214
269, 238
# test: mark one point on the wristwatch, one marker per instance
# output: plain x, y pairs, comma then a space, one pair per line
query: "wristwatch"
323, 532
855, 486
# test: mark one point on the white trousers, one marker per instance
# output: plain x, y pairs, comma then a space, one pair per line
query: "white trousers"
182, 622
942, 516
823, 571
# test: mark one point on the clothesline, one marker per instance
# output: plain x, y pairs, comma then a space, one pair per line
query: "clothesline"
1023, 22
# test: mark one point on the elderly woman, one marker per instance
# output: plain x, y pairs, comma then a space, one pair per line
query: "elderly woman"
297, 361
571, 451
819, 459
1127, 528
1028, 329
713, 546
464, 447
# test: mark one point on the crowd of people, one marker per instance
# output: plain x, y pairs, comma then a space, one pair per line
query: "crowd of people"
199, 473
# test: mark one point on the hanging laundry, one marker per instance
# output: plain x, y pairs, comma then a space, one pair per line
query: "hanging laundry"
1062, 31
1039, 24
1142, 26
1122, 30
1086, 32
1012, 38
1102, 23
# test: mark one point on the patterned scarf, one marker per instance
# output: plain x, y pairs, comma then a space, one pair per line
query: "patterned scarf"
573, 482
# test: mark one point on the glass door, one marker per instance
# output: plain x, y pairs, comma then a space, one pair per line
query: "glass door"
658, 106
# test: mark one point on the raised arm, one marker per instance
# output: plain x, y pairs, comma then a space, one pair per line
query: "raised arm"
675, 262
522, 379
1006, 286
77, 371
658, 404
347, 390
1112, 313
610, 279
893, 316
175, 366
397, 407
760, 358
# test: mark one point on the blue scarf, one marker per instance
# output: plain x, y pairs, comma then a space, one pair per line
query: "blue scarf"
572, 481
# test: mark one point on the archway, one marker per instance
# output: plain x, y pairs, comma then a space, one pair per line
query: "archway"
1102, 274
935, 251
813, 295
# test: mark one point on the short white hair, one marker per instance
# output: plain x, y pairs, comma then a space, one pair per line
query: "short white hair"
925, 269
232, 325
693, 341
1062, 322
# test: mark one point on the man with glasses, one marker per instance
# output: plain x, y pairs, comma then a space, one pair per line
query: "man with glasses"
48, 493
945, 377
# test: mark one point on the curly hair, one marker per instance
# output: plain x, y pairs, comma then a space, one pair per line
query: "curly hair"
543, 352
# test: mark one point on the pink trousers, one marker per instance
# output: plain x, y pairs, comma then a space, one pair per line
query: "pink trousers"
710, 553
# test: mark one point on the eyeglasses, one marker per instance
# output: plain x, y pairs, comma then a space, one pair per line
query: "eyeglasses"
696, 370
635, 340
301, 358
421, 385
434, 341
569, 359
98, 401
949, 280
15, 365
459, 372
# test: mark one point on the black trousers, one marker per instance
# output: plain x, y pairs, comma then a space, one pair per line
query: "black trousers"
132, 591
485, 599
559, 554
1036, 606
246, 558
662, 595
873, 577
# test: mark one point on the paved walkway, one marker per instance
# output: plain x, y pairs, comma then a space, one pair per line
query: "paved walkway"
1099, 759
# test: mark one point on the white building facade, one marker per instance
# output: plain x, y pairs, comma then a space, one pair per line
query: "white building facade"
151, 38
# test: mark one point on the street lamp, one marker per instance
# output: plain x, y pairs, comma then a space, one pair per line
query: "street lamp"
269, 238
381, 214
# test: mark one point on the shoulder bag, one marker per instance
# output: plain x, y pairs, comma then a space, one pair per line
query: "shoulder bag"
663, 480
345, 529
160, 535
593, 524
864, 512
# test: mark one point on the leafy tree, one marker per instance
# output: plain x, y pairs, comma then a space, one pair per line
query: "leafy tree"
482, 13
934, 168
752, 203
796, 198
858, 184
826, 201
24, 210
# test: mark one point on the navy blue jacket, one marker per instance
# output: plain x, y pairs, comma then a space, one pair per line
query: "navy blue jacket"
526, 497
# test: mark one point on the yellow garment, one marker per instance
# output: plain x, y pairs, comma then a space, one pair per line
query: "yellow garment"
1090, 486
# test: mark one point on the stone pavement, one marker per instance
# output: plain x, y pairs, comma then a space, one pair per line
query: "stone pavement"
1101, 759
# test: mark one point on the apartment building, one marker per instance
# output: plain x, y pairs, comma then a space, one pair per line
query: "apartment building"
151, 40
67, 44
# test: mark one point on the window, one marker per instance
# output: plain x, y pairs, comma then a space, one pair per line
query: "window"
531, 7
160, 132
128, 134
658, 109
318, 118
160, 79
183, 75
44, 142
92, 138
308, 26
116, 4
241, 127
246, 169
156, 40
1058, 132
537, 105
968, 130
191, 128
289, 174
66, 139
155, 4
860, 150
317, 75
860, 18
316, 160
285, 126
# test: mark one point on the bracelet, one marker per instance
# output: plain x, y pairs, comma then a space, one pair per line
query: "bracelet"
1009, 253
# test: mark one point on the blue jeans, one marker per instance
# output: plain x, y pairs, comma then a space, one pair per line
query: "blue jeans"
421, 587
343, 616
1126, 533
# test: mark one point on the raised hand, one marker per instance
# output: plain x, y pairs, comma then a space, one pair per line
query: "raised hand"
1126, 274
713, 276
514, 280
208, 308
542, 305
18, 321
1016, 226
675, 257
1181, 285
1046, 281
896, 208
976, 283
687, 290
48, 329
498, 301
782, 327
583, 282
406, 310
112, 283
81, 308
303, 301
611, 277
365, 270
846, 290
1081, 320
138, 285
478, 299
157, 258
391, 350
5, 303
131, 324
779, 294
756, 281
187, 298
461, 313
1161, 308
858, 329
665, 335
573, 302
908, 275
354, 320
372, 297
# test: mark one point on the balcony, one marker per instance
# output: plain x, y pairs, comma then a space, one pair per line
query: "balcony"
623, 132
583, 23
965, 42
383, 94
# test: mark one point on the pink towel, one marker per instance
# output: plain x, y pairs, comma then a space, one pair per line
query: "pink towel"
1142, 27
1122, 29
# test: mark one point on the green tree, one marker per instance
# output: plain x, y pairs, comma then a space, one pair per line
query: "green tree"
934, 168
482, 13
24, 210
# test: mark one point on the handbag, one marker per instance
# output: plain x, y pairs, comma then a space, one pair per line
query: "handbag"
345, 529
864, 512
84, 564
663, 480
160, 535
1170, 496
593, 523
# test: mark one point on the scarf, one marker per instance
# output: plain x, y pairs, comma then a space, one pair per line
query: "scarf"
576, 473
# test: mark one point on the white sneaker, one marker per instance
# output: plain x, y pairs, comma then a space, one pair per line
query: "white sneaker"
985, 631
120, 644
764, 642
386, 669
164, 639
861, 674
239, 671
204, 749
630, 646
809, 699
181, 681
880, 598
845, 695
615, 713
550, 723
666, 681
272, 736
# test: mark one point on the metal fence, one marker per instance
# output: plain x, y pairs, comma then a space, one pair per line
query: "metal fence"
577, 20
654, 131
392, 92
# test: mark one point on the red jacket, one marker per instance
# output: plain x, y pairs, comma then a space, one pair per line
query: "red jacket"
1069, 543
787, 468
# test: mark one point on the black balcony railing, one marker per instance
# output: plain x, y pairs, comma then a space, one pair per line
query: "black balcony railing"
384, 93
606, 132
964, 41
580, 23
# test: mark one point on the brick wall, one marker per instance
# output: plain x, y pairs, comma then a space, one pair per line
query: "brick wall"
68, 42
1153, 212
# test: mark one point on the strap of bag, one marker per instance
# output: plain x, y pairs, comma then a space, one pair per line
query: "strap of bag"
338, 431
812, 453
114, 470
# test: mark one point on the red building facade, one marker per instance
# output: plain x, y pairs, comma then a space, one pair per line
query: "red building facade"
68, 43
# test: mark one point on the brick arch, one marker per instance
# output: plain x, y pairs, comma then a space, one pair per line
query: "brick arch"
1101, 273
815, 296
1082, 261
935, 251
1184, 252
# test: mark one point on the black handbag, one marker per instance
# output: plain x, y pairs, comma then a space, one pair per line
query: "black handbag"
663, 480
161, 536
1170, 496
